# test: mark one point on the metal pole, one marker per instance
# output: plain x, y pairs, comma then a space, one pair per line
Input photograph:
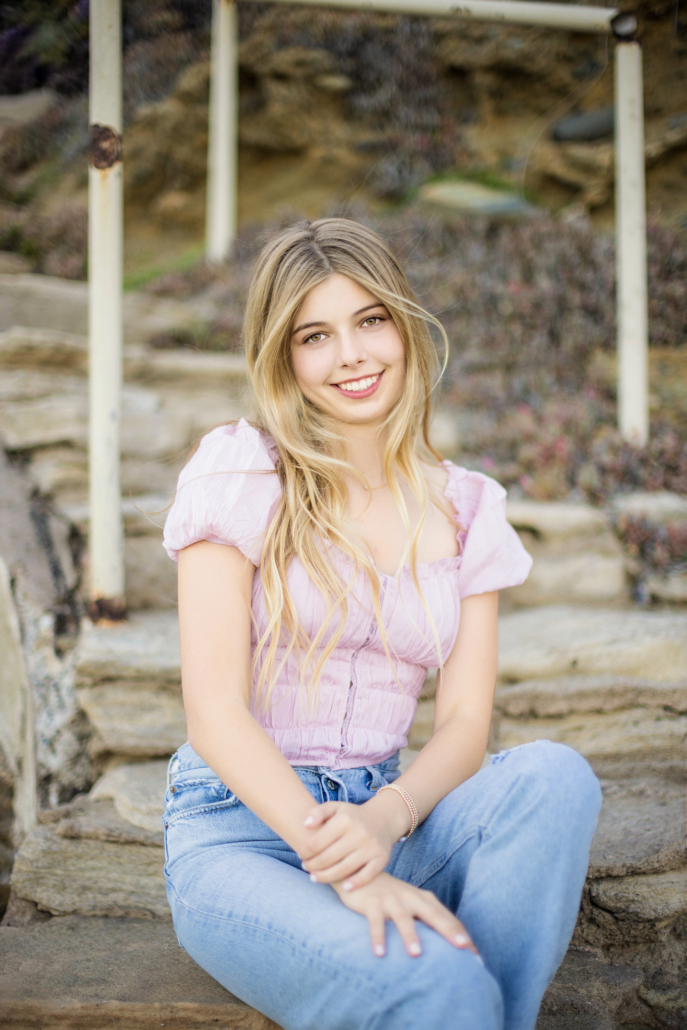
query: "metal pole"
576, 17
631, 270
220, 228
106, 550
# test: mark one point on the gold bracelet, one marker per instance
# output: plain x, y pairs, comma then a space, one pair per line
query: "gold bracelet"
414, 814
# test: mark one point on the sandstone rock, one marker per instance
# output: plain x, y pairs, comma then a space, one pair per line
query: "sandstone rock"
669, 1003
150, 575
59, 418
583, 641
588, 994
421, 730
131, 719
541, 698
557, 521
658, 507
13, 264
671, 588
641, 830
138, 792
44, 349
87, 818
643, 898
474, 198
44, 302
583, 578
187, 367
110, 974
90, 877
61, 472
637, 733
146, 648
141, 515
25, 107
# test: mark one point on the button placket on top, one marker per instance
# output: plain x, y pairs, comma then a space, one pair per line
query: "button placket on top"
353, 679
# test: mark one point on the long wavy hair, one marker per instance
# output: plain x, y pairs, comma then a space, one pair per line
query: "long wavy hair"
311, 465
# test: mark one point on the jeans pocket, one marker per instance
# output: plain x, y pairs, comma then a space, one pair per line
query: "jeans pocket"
189, 798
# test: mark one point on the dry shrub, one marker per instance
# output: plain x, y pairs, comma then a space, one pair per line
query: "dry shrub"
56, 242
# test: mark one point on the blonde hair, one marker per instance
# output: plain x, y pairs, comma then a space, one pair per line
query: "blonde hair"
311, 466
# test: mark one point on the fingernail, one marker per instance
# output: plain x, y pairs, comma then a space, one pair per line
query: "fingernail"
313, 878
479, 959
348, 885
461, 940
309, 821
415, 948
379, 950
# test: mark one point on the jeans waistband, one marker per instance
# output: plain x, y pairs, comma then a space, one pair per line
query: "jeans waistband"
187, 760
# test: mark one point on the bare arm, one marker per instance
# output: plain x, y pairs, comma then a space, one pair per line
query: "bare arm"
464, 701
215, 585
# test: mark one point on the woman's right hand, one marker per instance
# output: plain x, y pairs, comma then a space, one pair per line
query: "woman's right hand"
386, 897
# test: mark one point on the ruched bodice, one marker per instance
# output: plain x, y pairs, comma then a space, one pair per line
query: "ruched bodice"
228, 494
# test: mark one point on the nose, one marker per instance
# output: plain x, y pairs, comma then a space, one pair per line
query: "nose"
352, 350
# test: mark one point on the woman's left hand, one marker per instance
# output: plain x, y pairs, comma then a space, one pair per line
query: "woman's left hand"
351, 844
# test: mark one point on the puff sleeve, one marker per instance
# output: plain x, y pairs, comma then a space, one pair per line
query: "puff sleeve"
492, 555
227, 493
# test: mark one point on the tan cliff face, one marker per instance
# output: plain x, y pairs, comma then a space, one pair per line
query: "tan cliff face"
306, 137
354, 107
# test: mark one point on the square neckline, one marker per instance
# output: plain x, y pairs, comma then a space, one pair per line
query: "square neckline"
452, 562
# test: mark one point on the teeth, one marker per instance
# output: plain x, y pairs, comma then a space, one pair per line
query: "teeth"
360, 384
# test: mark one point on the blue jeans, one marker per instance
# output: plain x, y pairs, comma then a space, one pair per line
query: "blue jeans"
507, 851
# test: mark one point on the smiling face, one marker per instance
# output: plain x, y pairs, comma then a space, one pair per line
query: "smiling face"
347, 354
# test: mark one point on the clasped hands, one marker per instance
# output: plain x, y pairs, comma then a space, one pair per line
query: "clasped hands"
349, 846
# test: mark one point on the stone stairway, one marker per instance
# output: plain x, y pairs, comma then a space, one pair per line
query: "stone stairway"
579, 663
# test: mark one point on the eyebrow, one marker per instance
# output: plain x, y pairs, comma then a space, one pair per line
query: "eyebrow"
313, 325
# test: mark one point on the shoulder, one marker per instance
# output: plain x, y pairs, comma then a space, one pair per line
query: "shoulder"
227, 493
232, 446
492, 555
470, 492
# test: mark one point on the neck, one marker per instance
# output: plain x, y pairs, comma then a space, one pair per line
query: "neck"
364, 450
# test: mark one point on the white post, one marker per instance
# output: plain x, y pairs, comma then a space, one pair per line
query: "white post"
631, 273
221, 205
106, 551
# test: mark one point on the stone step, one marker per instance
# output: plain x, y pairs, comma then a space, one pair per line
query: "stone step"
131, 720
92, 874
615, 722
47, 303
562, 640
61, 973
589, 994
52, 351
137, 791
110, 974
145, 649
577, 557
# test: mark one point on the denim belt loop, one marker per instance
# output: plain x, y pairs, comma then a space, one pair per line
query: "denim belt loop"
335, 779
377, 780
171, 768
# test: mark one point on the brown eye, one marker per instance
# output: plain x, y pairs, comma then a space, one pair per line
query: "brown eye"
372, 320
315, 338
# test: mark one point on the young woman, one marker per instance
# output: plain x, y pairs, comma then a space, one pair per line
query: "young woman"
327, 558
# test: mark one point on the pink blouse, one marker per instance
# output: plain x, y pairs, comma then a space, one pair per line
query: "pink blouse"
228, 493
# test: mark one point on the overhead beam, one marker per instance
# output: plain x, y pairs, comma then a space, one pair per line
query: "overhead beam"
575, 17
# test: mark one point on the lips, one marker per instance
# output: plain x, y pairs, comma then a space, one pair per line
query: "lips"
358, 388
